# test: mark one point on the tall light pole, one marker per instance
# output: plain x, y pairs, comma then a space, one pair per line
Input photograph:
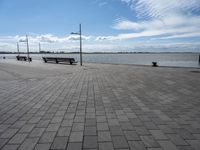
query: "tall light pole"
39, 48
80, 34
18, 49
27, 47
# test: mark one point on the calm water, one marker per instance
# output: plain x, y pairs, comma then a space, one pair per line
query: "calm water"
177, 59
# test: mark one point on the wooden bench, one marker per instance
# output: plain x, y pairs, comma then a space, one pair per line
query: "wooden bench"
59, 59
23, 58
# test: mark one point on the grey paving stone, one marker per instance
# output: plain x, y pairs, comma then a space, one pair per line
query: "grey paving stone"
126, 126
177, 140
67, 123
194, 144
113, 122
119, 142
53, 127
158, 134
27, 128
43, 123
56, 119
59, 143
29, 144
9, 133
149, 141
136, 145
102, 126
42, 146
106, 146
90, 142
104, 136
90, 130
64, 131
76, 137
47, 137
18, 138
131, 136
10, 147
142, 130
78, 127
37, 132
166, 145
3, 142
74, 146
90, 122
116, 130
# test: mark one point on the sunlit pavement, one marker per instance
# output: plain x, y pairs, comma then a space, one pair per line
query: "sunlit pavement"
98, 106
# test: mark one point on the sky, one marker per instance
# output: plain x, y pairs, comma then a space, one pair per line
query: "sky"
107, 25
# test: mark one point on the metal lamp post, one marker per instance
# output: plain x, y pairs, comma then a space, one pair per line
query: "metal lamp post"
80, 34
27, 48
18, 49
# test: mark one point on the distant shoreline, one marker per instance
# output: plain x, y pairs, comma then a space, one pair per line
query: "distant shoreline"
5, 52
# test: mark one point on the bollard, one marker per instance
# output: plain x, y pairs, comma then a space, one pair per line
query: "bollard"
154, 64
199, 58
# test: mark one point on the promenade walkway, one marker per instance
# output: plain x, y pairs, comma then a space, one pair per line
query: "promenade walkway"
97, 106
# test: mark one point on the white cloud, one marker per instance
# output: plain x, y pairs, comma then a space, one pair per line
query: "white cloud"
174, 25
161, 8
164, 18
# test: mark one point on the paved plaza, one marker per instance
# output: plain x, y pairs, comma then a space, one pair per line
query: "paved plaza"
98, 106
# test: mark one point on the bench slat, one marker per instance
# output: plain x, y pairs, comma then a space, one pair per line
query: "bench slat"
59, 59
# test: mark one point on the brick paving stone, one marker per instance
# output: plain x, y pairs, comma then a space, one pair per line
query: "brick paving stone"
47, 137
29, 144
3, 142
45, 146
9, 133
10, 147
59, 143
185, 148
53, 127
74, 146
102, 126
90, 130
142, 130
177, 140
194, 144
131, 136
158, 134
43, 123
90, 122
113, 122
27, 128
37, 132
126, 126
64, 131
167, 145
119, 142
116, 130
18, 138
149, 141
67, 123
106, 146
104, 136
136, 145
90, 142
78, 127
76, 137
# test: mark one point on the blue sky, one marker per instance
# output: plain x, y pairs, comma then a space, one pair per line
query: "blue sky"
108, 25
